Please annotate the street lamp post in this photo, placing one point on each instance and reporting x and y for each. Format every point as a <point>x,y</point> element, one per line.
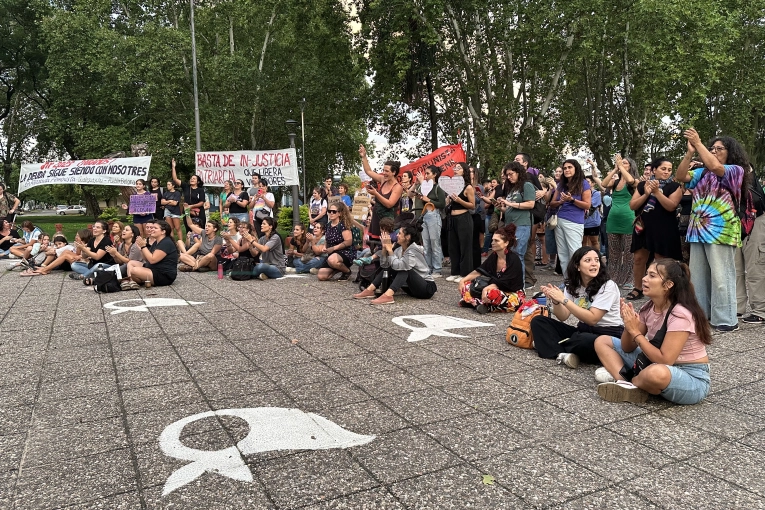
<point>302,132</point>
<point>194,73</point>
<point>295,198</point>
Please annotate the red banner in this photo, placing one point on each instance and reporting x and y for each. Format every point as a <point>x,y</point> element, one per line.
<point>445,158</point>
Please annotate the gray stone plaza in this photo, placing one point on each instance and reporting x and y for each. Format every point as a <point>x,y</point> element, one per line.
<point>88,385</point>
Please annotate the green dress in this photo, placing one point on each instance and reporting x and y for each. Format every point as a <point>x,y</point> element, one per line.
<point>621,217</point>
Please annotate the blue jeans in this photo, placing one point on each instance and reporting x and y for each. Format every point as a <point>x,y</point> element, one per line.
<point>487,236</point>
<point>82,268</point>
<point>552,248</point>
<point>305,267</point>
<point>689,383</point>
<point>522,234</point>
<point>242,217</point>
<point>431,240</point>
<point>269,270</point>
<point>713,274</point>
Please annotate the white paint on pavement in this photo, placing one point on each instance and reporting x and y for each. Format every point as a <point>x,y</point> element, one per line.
<point>143,305</point>
<point>436,325</point>
<point>271,428</point>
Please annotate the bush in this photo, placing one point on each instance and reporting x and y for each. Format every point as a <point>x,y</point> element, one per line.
<point>284,220</point>
<point>115,214</point>
<point>214,216</point>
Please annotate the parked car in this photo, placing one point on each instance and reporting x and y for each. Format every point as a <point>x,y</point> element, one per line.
<point>61,207</point>
<point>72,209</point>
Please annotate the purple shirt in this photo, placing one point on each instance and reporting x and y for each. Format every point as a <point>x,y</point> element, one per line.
<point>568,211</point>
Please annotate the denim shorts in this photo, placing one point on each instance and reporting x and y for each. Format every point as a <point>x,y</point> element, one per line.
<point>168,214</point>
<point>689,383</point>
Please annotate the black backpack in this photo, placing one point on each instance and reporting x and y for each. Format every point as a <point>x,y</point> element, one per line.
<point>106,282</point>
<point>241,269</point>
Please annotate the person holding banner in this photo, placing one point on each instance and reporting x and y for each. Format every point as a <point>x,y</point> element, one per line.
<point>461,226</point>
<point>388,196</point>
<point>193,198</point>
<point>140,219</point>
<point>429,204</point>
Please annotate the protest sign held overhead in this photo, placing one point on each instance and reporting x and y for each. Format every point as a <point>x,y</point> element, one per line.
<point>445,158</point>
<point>142,204</point>
<point>105,172</point>
<point>278,167</point>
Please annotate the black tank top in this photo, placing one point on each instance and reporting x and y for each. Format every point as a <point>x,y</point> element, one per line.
<point>456,206</point>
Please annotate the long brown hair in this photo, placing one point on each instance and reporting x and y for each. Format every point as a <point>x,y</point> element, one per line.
<point>681,293</point>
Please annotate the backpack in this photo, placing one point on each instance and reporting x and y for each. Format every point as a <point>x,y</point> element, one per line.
<point>538,212</point>
<point>519,331</point>
<point>241,269</point>
<point>367,274</point>
<point>106,282</point>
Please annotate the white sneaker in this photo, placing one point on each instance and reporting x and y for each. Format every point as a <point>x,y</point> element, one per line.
<point>263,276</point>
<point>622,391</point>
<point>290,270</point>
<point>314,270</point>
<point>569,359</point>
<point>457,279</point>
<point>436,275</point>
<point>451,278</point>
<point>602,375</point>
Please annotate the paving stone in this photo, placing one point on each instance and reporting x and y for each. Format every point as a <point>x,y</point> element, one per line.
<point>61,444</point>
<point>735,463</point>
<point>184,395</point>
<point>374,499</point>
<point>715,419</point>
<point>90,408</point>
<point>418,407</point>
<point>611,497</point>
<point>393,382</point>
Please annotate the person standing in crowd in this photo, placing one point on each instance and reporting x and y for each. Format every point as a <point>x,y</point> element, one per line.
<point>339,243</point>
<point>9,205</point>
<point>238,200</point>
<point>160,258</point>
<point>343,190</point>
<point>461,227</point>
<point>262,205</point>
<point>516,204</point>
<point>409,271</point>
<point>317,208</point>
<point>655,201</point>
<point>592,217</point>
<point>171,200</point>
<point>406,202</point>
<point>504,293</point>
<point>489,195</point>
<point>528,258</point>
<point>329,188</point>
<point>156,190</point>
<point>715,227</point>
<point>621,180</point>
<point>678,369</point>
<point>224,203</point>
<point>572,197</point>
<point>478,214</point>
<point>429,204</point>
<point>193,199</point>
<point>388,195</point>
<point>750,271</point>
<point>550,244</point>
<point>140,219</point>
<point>592,298</point>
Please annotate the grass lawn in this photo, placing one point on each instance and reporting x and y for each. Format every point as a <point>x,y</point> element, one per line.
<point>71,223</point>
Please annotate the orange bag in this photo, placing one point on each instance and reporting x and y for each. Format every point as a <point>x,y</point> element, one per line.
<point>519,331</point>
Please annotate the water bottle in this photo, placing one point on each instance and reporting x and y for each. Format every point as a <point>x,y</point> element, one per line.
<point>384,284</point>
<point>220,271</point>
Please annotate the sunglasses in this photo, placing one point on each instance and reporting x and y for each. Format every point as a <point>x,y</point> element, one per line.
<point>715,148</point>
<point>333,211</point>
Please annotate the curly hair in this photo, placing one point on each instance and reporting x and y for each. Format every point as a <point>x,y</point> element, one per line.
<point>523,176</point>
<point>507,233</point>
<point>736,156</point>
<point>573,279</point>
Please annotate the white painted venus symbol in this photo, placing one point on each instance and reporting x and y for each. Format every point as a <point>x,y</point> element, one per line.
<point>436,325</point>
<point>271,428</point>
<point>143,305</point>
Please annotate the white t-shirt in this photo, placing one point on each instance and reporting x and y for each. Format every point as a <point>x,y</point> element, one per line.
<point>68,247</point>
<point>260,203</point>
<point>317,205</point>
<point>606,299</point>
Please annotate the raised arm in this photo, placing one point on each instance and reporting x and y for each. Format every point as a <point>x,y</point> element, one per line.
<point>176,180</point>
<point>368,169</point>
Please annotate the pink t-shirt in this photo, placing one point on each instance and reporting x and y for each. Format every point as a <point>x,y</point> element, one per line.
<point>680,320</point>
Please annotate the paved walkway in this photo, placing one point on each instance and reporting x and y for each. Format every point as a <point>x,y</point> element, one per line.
<point>445,422</point>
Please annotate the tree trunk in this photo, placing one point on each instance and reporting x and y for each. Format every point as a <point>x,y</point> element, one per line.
<point>91,202</point>
<point>432,110</point>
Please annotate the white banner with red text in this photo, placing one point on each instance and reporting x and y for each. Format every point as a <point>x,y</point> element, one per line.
<point>278,167</point>
<point>103,172</point>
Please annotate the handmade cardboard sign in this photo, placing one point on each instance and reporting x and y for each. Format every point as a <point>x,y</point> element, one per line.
<point>451,185</point>
<point>142,204</point>
<point>361,204</point>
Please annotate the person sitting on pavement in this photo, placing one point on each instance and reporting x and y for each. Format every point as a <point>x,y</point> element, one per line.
<point>126,249</point>
<point>38,255</point>
<point>590,296</point>
<point>678,368</point>
<point>160,265</point>
<point>24,247</point>
<point>203,254</point>
<point>339,245</point>
<point>232,239</point>
<point>270,249</point>
<point>505,290</point>
<point>65,255</point>
<point>115,231</point>
<point>407,266</point>
<point>96,252</point>
<point>298,245</point>
<point>8,237</point>
<point>314,256</point>
<point>386,227</point>
<point>58,245</point>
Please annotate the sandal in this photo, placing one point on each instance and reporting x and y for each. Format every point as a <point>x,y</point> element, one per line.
<point>634,295</point>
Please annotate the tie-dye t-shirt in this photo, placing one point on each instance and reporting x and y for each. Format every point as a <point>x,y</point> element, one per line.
<point>714,219</point>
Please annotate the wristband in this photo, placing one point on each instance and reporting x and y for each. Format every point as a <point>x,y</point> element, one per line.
<point>634,338</point>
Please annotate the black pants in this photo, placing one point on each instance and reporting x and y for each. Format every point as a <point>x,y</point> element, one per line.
<point>461,244</point>
<point>416,286</point>
<point>547,332</point>
<point>478,227</point>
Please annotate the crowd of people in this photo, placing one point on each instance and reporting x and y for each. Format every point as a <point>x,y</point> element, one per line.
<point>688,241</point>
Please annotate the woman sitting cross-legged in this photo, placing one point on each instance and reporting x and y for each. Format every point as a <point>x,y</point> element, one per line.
<point>203,254</point>
<point>313,255</point>
<point>339,245</point>
<point>66,254</point>
<point>673,364</point>
<point>270,249</point>
<point>505,290</point>
<point>590,296</point>
<point>96,251</point>
<point>161,257</point>
<point>125,251</point>
<point>408,265</point>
